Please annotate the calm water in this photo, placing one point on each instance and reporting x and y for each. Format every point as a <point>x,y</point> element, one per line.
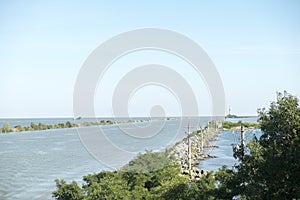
<point>224,151</point>
<point>49,121</point>
<point>31,161</point>
<point>224,144</point>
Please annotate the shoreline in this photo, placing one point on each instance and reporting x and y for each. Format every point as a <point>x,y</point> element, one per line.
<point>6,129</point>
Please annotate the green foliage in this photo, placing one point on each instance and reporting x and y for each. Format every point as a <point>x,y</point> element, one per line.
<point>106,185</point>
<point>40,126</point>
<point>280,149</point>
<point>233,125</point>
<point>148,162</point>
<point>202,189</point>
<point>69,124</point>
<point>164,183</point>
<point>231,116</point>
<point>6,128</point>
<point>271,170</point>
<point>67,191</point>
<point>33,127</point>
<point>102,122</point>
<point>123,185</point>
<point>237,116</point>
<point>227,184</point>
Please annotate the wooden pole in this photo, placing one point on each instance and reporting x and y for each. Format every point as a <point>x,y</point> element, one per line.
<point>202,140</point>
<point>242,141</point>
<point>189,150</point>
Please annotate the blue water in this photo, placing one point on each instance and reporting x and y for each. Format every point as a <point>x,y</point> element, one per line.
<point>224,148</point>
<point>31,161</point>
<point>225,143</point>
<point>247,119</point>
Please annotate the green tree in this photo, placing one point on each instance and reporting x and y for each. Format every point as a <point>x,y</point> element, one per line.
<point>41,126</point>
<point>192,190</point>
<point>61,125</point>
<point>106,185</point>
<point>166,182</point>
<point>33,126</point>
<point>149,161</point>
<point>69,124</point>
<point>6,127</point>
<point>67,191</point>
<point>271,170</point>
<point>280,144</point>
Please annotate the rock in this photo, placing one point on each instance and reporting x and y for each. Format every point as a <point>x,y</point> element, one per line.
<point>197,177</point>
<point>196,170</point>
<point>209,156</point>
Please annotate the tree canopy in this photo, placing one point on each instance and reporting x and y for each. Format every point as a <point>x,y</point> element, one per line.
<point>271,169</point>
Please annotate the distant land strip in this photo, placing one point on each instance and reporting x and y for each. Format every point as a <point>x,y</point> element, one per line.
<point>40,126</point>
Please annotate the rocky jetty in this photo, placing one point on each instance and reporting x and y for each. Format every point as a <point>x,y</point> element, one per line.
<point>199,140</point>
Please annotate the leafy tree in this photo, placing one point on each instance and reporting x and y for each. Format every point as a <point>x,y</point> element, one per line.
<point>106,185</point>
<point>203,189</point>
<point>232,125</point>
<point>164,183</point>
<point>69,124</point>
<point>271,170</point>
<point>6,127</point>
<point>33,126</point>
<point>42,126</point>
<point>149,161</point>
<point>280,144</point>
<point>67,191</point>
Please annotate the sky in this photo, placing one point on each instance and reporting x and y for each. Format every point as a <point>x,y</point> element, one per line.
<point>255,46</point>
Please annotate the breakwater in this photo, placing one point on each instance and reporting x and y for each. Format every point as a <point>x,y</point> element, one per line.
<point>190,151</point>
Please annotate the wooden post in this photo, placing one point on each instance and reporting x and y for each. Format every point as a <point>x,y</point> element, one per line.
<point>242,141</point>
<point>202,140</point>
<point>189,150</point>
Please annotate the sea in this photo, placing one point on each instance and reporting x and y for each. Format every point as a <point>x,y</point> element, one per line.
<point>31,161</point>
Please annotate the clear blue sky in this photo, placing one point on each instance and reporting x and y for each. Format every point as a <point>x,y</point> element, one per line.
<point>255,46</point>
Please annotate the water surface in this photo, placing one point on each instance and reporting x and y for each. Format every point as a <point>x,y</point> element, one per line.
<point>31,161</point>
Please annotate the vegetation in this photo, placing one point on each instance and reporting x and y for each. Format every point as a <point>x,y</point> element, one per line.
<point>231,116</point>
<point>237,116</point>
<point>6,128</point>
<point>164,183</point>
<point>270,169</point>
<point>148,162</point>
<point>233,125</point>
<point>34,127</point>
<point>102,122</point>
